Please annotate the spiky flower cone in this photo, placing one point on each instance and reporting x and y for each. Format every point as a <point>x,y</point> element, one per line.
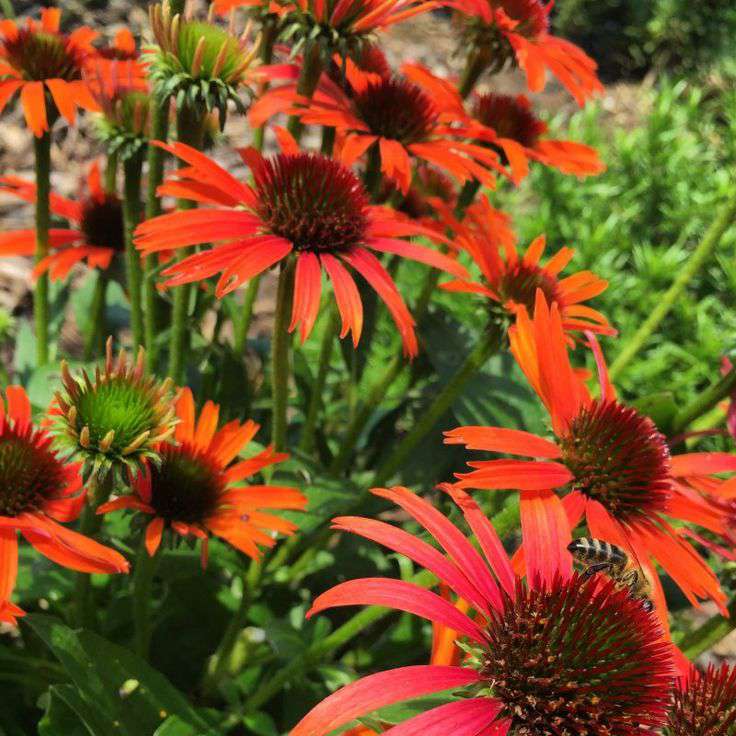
<point>115,421</point>
<point>705,704</point>
<point>199,64</point>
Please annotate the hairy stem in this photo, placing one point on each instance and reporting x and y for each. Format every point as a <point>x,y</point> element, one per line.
<point>143,575</point>
<point>704,402</point>
<point>132,170</point>
<point>42,150</point>
<point>280,355</point>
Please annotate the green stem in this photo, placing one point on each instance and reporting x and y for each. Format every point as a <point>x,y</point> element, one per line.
<point>42,149</point>
<point>132,171</point>
<point>98,491</point>
<point>358,422</point>
<point>306,439</point>
<point>143,575</point>
<point>309,75</point>
<point>156,156</point>
<point>190,130</point>
<point>323,648</point>
<point>280,357</point>
<point>95,339</point>
<point>269,33</point>
<point>698,258</point>
<point>242,326</point>
<point>219,664</point>
<point>476,64</point>
<point>111,173</point>
<point>709,634</point>
<point>705,402</point>
<point>489,343</point>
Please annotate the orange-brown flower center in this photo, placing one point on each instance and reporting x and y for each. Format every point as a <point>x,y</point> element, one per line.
<point>520,282</point>
<point>38,55</point>
<point>313,201</point>
<point>619,458</point>
<point>577,659</point>
<point>186,485</point>
<point>102,223</point>
<point>706,706</point>
<point>510,117</point>
<point>30,473</point>
<point>395,108</point>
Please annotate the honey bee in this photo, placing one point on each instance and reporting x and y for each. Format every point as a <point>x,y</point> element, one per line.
<point>603,557</point>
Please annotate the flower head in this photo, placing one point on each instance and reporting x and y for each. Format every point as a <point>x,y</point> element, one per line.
<point>116,420</point>
<point>195,488</point>
<point>571,656</point>
<point>302,206</point>
<point>393,117</point>
<point>38,489</point>
<point>36,57</point>
<point>609,463</point>
<point>704,704</point>
<point>498,32</point>
<point>511,280</point>
<point>97,236</point>
<point>199,63</point>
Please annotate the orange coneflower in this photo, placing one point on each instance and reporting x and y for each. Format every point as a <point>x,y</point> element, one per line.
<point>397,121</point>
<point>97,237</point>
<point>499,31</point>
<point>37,491</point>
<point>509,125</point>
<point>571,656</point>
<point>35,57</point>
<point>300,203</point>
<point>511,281</point>
<point>195,487</point>
<point>609,465</point>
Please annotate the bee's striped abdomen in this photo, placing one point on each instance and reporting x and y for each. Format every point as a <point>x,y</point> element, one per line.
<point>588,550</point>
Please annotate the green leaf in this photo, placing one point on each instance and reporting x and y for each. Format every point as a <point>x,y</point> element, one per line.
<point>175,726</point>
<point>69,714</point>
<point>117,686</point>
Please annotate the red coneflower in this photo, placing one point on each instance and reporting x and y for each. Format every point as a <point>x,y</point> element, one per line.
<point>610,465</point>
<point>38,490</point>
<point>704,704</point>
<point>396,120</point>
<point>511,282</point>
<point>300,203</point>
<point>499,31</point>
<point>568,657</point>
<point>195,488</point>
<point>97,237</point>
<point>35,57</point>
<point>114,66</point>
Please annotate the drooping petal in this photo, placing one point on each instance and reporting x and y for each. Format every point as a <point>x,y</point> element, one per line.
<point>518,475</point>
<point>154,530</point>
<point>376,691</point>
<point>347,297</point>
<point>419,253</point>
<point>34,107</point>
<point>498,439</point>
<point>399,594</point>
<point>466,717</point>
<point>307,293</point>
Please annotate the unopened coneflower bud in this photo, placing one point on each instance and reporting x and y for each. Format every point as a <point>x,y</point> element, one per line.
<point>114,421</point>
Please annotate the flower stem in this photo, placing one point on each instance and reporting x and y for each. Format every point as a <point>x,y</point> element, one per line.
<point>476,64</point>
<point>156,155</point>
<point>306,439</point>
<point>372,177</point>
<point>111,173</point>
<point>704,402</point>
<point>145,570</point>
<point>95,340</point>
<point>42,150</point>
<point>489,343</point>
<point>309,75</point>
<point>242,327</point>
<point>132,171</point>
<point>269,33</point>
<point>698,258</point>
<point>280,357</point>
<point>708,635</point>
<point>190,130</point>
<point>358,422</point>
<point>323,648</point>
<point>219,664</point>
